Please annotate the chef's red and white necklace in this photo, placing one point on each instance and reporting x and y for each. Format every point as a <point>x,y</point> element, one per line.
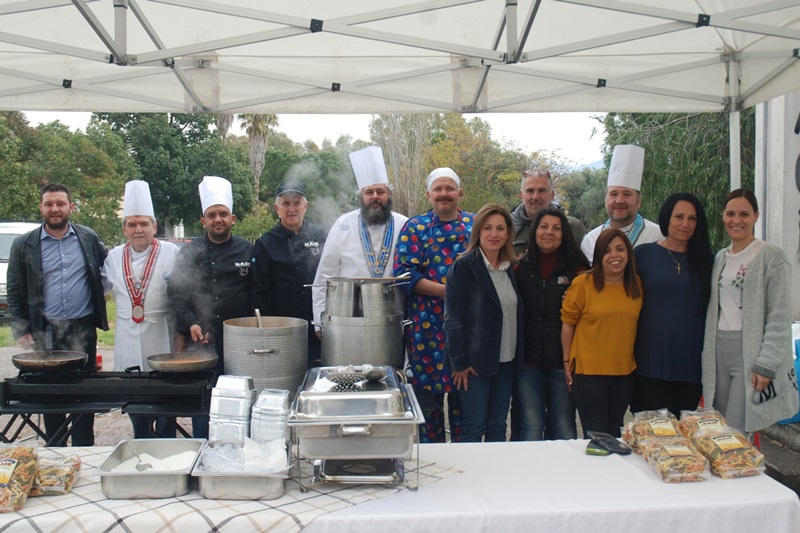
<point>137,290</point>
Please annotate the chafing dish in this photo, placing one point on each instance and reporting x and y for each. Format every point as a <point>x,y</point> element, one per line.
<point>239,485</point>
<point>340,414</point>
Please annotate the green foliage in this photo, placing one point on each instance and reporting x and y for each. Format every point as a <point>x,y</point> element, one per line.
<point>106,338</point>
<point>20,197</point>
<point>581,193</point>
<point>259,221</point>
<point>685,152</point>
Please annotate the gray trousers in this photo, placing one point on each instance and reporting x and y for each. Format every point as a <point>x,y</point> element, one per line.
<point>729,398</point>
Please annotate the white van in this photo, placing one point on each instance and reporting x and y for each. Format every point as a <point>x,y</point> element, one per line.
<point>8,232</point>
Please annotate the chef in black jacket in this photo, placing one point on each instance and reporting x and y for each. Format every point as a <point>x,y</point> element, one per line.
<point>285,259</point>
<point>210,282</point>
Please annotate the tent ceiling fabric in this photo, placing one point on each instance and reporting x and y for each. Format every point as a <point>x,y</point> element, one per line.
<point>355,56</point>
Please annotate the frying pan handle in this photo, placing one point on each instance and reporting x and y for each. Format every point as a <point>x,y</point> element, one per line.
<point>264,351</point>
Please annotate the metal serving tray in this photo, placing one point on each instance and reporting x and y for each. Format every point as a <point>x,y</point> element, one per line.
<point>147,484</point>
<point>240,485</point>
<point>333,394</point>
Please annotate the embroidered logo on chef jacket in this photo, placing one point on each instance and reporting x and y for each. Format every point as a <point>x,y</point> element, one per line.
<point>244,267</point>
<point>312,246</point>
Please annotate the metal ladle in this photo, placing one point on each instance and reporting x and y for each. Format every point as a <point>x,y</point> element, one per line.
<point>141,466</point>
<point>258,318</point>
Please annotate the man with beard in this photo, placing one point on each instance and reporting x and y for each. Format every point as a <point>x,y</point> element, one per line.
<point>55,295</point>
<point>428,244</point>
<point>211,279</point>
<point>361,243</point>
<point>623,199</point>
<point>537,193</point>
<point>285,260</point>
<point>137,273</point>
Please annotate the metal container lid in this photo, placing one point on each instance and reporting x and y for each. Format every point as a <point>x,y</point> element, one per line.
<point>332,394</point>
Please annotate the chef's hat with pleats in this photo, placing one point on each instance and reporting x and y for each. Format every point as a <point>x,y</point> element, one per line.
<point>216,191</point>
<point>627,164</point>
<point>137,200</point>
<point>368,166</point>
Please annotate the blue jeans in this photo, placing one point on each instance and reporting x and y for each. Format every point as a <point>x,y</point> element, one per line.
<point>484,407</point>
<point>543,395</point>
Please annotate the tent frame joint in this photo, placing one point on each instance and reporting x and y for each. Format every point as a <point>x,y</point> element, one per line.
<point>703,20</point>
<point>315,26</point>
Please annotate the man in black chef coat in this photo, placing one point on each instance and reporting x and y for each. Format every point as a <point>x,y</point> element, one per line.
<point>285,259</point>
<point>210,282</point>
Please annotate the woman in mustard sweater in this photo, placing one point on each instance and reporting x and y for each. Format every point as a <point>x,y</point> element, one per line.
<point>599,317</point>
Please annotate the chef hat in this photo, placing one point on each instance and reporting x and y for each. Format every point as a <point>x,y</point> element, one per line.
<point>137,201</point>
<point>627,164</point>
<point>444,172</point>
<point>368,166</point>
<point>215,191</point>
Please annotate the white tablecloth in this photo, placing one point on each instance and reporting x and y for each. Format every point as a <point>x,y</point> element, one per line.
<point>555,487</point>
<point>547,486</point>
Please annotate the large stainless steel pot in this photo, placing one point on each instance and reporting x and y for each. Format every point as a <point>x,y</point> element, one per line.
<point>362,340</point>
<point>49,361</point>
<point>370,297</point>
<point>275,355</point>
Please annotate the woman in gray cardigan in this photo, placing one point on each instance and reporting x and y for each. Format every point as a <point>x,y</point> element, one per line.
<point>748,372</point>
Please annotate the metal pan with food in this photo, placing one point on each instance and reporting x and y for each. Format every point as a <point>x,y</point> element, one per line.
<point>183,361</point>
<point>49,361</point>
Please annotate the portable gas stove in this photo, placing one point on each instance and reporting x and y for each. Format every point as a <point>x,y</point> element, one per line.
<point>84,393</point>
<point>356,424</point>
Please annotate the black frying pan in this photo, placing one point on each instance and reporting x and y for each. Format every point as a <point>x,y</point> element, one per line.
<point>49,361</point>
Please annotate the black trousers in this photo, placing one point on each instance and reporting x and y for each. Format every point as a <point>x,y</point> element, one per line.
<point>602,401</point>
<point>650,394</point>
<point>75,335</point>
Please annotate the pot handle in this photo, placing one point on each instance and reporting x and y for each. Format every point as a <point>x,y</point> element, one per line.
<point>316,285</point>
<point>265,351</point>
<point>407,323</point>
<point>351,431</point>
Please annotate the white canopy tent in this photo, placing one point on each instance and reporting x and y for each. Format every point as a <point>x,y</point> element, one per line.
<point>355,56</point>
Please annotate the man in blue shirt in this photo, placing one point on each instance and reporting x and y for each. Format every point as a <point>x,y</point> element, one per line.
<point>55,294</point>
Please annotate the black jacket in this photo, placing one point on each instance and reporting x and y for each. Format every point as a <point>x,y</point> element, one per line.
<point>210,283</point>
<point>473,317</point>
<point>542,317</point>
<point>25,288</point>
<point>282,263</point>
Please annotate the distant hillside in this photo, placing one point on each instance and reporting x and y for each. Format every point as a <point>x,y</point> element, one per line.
<point>596,164</point>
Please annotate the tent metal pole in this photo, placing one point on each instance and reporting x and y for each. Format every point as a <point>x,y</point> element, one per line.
<point>734,125</point>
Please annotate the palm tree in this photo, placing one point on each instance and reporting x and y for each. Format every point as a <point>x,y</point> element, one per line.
<point>224,122</point>
<point>257,127</point>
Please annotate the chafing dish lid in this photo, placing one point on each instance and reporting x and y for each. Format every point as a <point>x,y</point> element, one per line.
<point>343,393</point>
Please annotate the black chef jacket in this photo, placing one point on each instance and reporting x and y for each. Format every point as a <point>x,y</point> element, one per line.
<point>210,283</point>
<point>282,263</point>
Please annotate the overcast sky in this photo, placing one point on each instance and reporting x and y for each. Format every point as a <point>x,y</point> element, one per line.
<point>568,133</point>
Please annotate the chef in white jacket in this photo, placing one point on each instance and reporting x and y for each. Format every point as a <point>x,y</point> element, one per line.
<point>137,274</point>
<point>361,243</point>
<point>623,199</point>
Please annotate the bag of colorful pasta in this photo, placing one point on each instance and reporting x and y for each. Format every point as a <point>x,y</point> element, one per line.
<point>649,424</point>
<point>729,452</point>
<point>675,459</point>
<point>56,475</point>
<point>18,463</point>
<point>692,421</point>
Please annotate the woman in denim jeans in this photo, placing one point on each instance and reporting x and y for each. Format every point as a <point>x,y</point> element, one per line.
<point>543,276</point>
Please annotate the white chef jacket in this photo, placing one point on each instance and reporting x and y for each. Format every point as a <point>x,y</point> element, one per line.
<point>134,342</point>
<point>650,233</point>
<point>343,255</point>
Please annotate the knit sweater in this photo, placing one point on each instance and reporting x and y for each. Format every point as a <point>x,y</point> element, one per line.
<point>766,337</point>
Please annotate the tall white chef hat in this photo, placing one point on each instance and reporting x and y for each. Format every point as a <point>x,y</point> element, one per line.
<point>368,166</point>
<point>215,190</point>
<point>443,172</point>
<point>627,164</point>
<point>137,201</point>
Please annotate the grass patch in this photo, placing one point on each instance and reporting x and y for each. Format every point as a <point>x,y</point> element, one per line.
<point>104,338</point>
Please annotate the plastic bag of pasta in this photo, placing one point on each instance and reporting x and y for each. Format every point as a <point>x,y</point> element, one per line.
<point>675,459</point>
<point>18,463</point>
<point>693,421</point>
<point>729,452</point>
<point>649,424</point>
<point>56,475</point>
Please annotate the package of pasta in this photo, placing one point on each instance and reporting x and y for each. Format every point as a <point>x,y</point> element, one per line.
<point>649,424</point>
<point>675,459</point>
<point>17,472</point>
<point>56,475</point>
<point>693,421</point>
<point>729,452</point>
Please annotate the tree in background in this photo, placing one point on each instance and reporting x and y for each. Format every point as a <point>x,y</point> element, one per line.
<point>224,121</point>
<point>685,152</point>
<point>20,196</point>
<point>405,139</point>
<point>258,127</point>
<point>582,194</point>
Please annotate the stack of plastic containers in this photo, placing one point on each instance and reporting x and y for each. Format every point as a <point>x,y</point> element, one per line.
<point>268,416</point>
<point>229,413</point>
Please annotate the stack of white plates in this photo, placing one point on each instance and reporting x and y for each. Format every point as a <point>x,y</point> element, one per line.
<point>229,413</point>
<point>268,416</point>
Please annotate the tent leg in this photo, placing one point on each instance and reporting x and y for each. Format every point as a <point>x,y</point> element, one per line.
<point>735,149</point>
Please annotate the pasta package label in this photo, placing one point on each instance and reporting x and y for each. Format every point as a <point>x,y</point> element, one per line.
<point>663,427</point>
<point>727,442</point>
<point>710,423</point>
<point>7,467</point>
<point>677,450</point>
